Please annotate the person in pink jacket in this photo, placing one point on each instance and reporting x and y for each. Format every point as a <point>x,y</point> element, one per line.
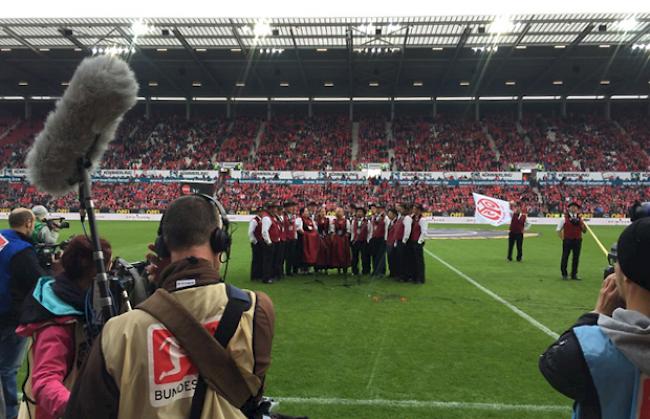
<point>54,317</point>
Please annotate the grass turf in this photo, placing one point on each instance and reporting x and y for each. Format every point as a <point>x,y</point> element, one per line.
<point>444,341</point>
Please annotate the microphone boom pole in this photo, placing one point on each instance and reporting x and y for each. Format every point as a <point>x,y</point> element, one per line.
<point>105,301</point>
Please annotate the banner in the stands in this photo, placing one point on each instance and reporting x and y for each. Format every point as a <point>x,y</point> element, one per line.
<point>297,177</point>
<point>74,216</point>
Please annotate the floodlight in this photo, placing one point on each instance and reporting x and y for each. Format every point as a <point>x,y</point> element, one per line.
<point>262,29</point>
<point>501,25</point>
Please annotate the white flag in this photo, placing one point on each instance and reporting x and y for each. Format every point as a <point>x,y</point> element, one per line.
<point>491,210</point>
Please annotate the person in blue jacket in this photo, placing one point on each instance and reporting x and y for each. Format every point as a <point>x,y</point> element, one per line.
<point>603,361</point>
<point>19,271</point>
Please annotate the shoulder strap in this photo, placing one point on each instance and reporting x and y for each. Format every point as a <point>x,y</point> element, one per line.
<point>238,302</point>
<point>214,363</point>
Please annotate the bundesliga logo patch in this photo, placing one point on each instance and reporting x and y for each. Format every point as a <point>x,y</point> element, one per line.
<point>172,376</point>
<point>3,242</point>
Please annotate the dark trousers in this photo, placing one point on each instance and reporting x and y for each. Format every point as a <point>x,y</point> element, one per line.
<point>256,261</point>
<point>571,246</point>
<point>12,351</point>
<point>360,251</point>
<point>278,259</point>
<point>392,265</point>
<point>415,261</point>
<point>291,261</point>
<point>517,238</point>
<point>267,261</point>
<point>400,261</point>
<point>378,249</point>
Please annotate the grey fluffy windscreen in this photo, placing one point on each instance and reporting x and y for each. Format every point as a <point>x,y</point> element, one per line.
<point>84,121</point>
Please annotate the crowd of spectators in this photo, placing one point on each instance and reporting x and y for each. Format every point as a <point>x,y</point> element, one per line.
<point>108,197</point>
<point>171,142</point>
<point>440,200</point>
<point>373,140</point>
<point>446,144</point>
<point>239,141</point>
<point>581,142</point>
<point>298,143</point>
<point>584,142</point>
<point>242,197</point>
<point>597,200</point>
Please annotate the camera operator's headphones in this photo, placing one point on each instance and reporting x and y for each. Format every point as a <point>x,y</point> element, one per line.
<point>220,238</point>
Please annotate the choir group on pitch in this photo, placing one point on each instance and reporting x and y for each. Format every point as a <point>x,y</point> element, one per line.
<point>287,242</point>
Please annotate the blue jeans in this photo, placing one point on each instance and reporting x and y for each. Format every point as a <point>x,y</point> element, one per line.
<point>12,350</point>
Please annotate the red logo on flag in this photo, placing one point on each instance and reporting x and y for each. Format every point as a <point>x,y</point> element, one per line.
<point>170,362</point>
<point>3,242</point>
<point>489,209</point>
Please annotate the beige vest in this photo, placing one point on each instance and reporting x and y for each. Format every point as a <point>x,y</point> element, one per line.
<point>154,375</point>
<point>29,410</point>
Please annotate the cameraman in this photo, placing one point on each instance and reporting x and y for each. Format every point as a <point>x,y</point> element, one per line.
<point>570,230</point>
<point>602,362</point>
<point>19,271</point>
<point>137,367</point>
<point>54,316</point>
<point>45,231</point>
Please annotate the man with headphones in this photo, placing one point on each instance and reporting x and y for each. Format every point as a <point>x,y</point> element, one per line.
<point>196,348</point>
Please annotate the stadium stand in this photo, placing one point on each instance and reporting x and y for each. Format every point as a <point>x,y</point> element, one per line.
<point>583,142</point>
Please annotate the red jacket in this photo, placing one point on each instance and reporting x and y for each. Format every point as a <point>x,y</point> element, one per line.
<point>416,230</point>
<point>378,226</point>
<point>573,231</point>
<point>323,225</point>
<point>290,226</point>
<point>258,230</point>
<point>360,231</point>
<point>392,233</point>
<point>340,227</point>
<point>275,232</point>
<point>283,233</point>
<point>399,229</point>
<point>518,223</point>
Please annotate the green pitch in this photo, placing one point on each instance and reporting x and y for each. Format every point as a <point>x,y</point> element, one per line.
<point>381,349</point>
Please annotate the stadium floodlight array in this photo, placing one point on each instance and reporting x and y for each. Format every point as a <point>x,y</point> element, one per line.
<point>140,28</point>
<point>113,50</point>
<point>501,25</point>
<point>260,29</point>
<point>271,51</point>
<point>488,48</point>
<point>645,47</point>
<point>628,24</point>
<point>378,50</point>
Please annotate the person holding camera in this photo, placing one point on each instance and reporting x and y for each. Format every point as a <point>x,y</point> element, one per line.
<point>196,348</point>
<point>602,361</point>
<point>19,271</point>
<point>45,231</point>
<point>54,317</point>
<point>570,229</point>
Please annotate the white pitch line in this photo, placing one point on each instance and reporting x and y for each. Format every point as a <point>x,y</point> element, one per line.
<point>427,404</point>
<point>375,363</point>
<point>497,297</point>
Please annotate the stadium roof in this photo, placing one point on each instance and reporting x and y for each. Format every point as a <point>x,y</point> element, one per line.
<point>436,31</point>
<point>556,54</point>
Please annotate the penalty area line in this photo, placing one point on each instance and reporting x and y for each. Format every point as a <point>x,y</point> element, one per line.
<point>497,297</point>
<point>426,404</point>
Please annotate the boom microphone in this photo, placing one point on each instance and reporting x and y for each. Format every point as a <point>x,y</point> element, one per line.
<point>102,90</point>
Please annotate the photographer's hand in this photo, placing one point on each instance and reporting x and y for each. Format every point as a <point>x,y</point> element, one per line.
<point>608,298</point>
<point>156,264</point>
